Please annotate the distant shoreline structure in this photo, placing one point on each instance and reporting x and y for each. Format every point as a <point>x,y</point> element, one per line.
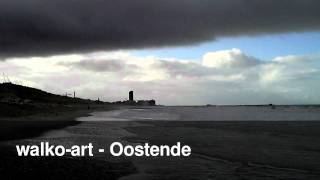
<point>131,101</point>
<point>11,93</point>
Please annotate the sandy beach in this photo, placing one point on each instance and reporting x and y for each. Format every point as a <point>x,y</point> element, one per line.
<point>232,150</point>
<point>220,149</point>
<point>46,124</point>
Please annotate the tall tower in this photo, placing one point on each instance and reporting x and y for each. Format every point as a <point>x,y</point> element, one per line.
<point>130,95</point>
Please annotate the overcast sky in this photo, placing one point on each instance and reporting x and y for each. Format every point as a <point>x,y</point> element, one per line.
<point>179,52</point>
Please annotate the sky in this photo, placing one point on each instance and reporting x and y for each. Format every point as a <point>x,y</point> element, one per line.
<point>178,52</point>
<point>264,46</point>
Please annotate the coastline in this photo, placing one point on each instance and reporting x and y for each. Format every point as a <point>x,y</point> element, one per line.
<point>23,130</point>
<point>19,127</point>
<point>220,149</point>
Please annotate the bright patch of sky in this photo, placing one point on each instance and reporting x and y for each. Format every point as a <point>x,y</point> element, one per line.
<point>264,47</point>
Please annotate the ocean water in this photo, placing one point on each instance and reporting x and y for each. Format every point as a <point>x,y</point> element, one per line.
<point>208,113</point>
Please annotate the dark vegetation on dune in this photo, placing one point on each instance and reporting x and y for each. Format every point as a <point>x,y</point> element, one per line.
<point>28,112</point>
<point>10,92</point>
<point>18,101</point>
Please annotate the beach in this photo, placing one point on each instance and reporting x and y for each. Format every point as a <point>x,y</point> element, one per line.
<point>221,149</point>
<point>47,124</point>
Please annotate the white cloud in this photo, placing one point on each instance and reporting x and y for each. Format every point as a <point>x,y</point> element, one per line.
<point>223,77</point>
<point>295,59</point>
<point>233,58</point>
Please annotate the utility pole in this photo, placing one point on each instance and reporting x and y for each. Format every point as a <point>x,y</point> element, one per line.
<point>5,78</point>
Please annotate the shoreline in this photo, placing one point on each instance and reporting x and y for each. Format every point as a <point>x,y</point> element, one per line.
<point>14,128</point>
<point>25,130</point>
<point>220,149</point>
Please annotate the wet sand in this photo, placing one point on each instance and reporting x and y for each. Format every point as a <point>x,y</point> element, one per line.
<point>24,126</point>
<point>220,150</point>
<point>232,150</point>
<point>53,126</point>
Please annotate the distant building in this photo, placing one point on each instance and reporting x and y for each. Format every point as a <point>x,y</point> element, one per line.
<point>131,101</point>
<point>146,102</point>
<point>152,102</point>
<point>130,95</point>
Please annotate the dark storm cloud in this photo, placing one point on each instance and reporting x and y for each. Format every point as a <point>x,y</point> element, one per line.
<point>44,27</point>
